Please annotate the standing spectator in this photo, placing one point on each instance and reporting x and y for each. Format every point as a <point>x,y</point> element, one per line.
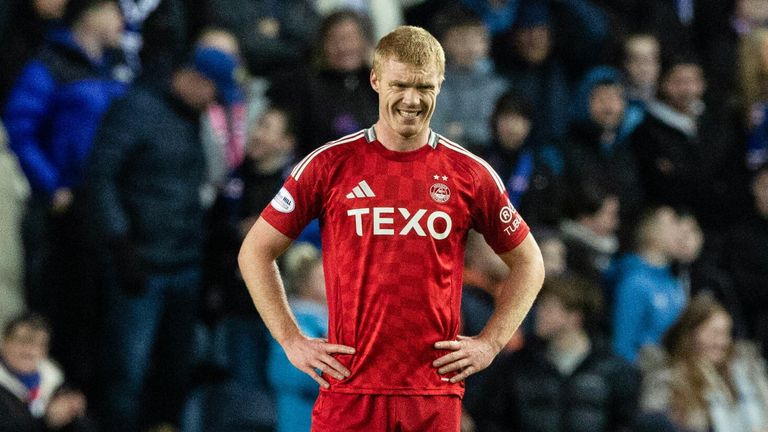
<point>29,22</point>
<point>14,192</point>
<point>52,115</point>
<point>531,174</point>
<point>146,174</point>
<point>295,392</point>
<point>589,230</point>
<point>647,297</point>
<point>470,83</point>
<point>641,62</point>
<point>332,98</point>
<point>274,35</point>
<point>566,379</point>
<point>596,148</point>
<point>543,55</point>
<point>686,150</point>
<point>33,397</point>
<point>745,258</point>
<point>708,383</point>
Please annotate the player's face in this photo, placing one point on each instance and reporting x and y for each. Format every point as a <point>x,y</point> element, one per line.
<point>407,96</point>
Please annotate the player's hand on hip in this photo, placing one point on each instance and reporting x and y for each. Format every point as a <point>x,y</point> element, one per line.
<point>313,357</point>
<point>469,355</point>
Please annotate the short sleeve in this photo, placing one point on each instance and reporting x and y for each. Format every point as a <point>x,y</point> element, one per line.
<point>299,200</point>
<point>493,214</point>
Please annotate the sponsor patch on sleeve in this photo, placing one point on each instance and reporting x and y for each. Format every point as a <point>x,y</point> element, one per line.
<point>283,201</point>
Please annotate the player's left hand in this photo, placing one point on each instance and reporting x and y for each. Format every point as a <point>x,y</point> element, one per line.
<point>470,355</point>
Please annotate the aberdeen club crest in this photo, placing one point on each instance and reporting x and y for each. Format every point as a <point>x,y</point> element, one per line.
<point>439,192</point>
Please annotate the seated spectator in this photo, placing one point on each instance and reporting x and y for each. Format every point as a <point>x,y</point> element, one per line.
<point>296,392</point>
<point>596,147</point>
<point>641,65</point>
<point>647,297</point>
<point>33,397</point>
<point>745,258</point>
<point>333,98</point>
<point>589,232</point>
<point>707,382</point>
<point>566,380</point>
<point>531,174</point>
<point>686,150</point>
<point>553,251</point>
<point>470,83</point>
<point>14,192</point>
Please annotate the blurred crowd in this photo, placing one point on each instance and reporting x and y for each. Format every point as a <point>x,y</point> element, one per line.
<point>140,140</point>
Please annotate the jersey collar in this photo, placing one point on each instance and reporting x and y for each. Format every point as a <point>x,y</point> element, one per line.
<point>370,136</point>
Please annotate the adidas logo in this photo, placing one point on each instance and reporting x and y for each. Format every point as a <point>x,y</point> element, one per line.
<point>362,190</point>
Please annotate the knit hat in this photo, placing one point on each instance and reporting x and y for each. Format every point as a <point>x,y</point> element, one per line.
<point>221,68</point>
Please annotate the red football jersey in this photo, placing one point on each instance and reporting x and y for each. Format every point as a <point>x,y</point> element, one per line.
<point>394,227</point>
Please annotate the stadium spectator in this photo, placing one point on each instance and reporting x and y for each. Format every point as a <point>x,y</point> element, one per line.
<point>531,174</point>
<point>146,173</point>
<point>686,151</point>
<point>647,297</point>
<point>331,98</point>
<point>543,55</point>
<point>295,392</point>
<point>33,395</point>
<point>589,230</point>
<point>596,147</point>
<point>641,63</point>
<point>706,382</point>
<point>384,15</point>
<point>470,83</point>
<point>565,379</point>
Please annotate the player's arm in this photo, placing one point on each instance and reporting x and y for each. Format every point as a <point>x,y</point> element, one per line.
<point>513,301</point>
<point>262,246</point>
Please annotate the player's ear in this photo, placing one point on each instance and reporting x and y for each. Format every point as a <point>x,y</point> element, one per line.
<point>374,80</point>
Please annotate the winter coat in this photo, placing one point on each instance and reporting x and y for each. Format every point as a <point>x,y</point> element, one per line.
<point>527,393</point>
<point>54,110</point>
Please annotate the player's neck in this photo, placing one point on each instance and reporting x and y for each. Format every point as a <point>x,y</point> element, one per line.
<point>391,140</point>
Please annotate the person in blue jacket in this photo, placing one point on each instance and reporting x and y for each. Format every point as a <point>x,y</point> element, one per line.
<point>51,115</point>
<point>295,392</point>
<point>647,297</point>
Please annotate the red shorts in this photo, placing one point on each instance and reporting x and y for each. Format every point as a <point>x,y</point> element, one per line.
<point>341,412</point>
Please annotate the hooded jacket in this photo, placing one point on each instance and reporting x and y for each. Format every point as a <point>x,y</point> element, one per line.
<point>54,110</point>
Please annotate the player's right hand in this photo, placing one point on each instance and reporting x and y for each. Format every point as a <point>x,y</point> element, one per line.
<point>313,357</point>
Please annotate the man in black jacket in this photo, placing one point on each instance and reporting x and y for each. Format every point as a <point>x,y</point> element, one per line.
<point>566,379</point>
<point>146,174</point>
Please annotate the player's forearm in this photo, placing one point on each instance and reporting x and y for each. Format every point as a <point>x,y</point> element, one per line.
<point>515,298</point>
<point>261,276</point>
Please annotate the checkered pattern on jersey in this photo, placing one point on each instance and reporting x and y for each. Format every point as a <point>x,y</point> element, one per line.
<point>393,226</point>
